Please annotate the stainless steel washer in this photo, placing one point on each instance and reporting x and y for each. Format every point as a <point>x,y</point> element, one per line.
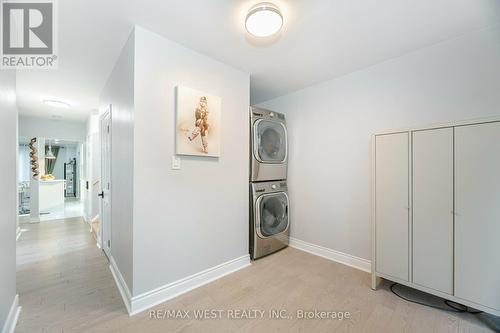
<point>269,146</point>
<point>269,216</point>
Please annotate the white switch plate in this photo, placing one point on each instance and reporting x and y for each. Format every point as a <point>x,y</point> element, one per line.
<point>176,162</point>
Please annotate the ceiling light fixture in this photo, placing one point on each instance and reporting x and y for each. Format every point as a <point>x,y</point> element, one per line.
<point>263,20</point>
<point>56,103</point>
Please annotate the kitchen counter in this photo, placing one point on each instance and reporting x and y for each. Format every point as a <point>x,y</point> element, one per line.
<point>51,195</point>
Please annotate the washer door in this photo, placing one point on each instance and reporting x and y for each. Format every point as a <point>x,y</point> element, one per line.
<point>272,214</point>
<point>270,141</point>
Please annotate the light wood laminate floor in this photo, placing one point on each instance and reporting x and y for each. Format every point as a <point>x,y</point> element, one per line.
<point>65,285</point>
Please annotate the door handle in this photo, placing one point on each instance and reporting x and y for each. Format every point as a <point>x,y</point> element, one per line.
<point>101,194</point>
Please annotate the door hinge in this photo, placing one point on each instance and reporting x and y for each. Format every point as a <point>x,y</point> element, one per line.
<point>109,243</point>
<point>108,128</point>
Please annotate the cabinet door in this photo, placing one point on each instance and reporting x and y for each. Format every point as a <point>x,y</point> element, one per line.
<point>391,204</point>
<point>477,220</point>
<point>433,209</point>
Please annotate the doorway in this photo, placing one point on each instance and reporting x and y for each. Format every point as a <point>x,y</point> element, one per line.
<point>57,193</point>
<point>105,194</point>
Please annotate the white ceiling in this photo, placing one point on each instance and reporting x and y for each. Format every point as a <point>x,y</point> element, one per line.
<point>322,39</point>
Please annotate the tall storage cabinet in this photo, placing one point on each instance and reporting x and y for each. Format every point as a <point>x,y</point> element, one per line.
<point>436,211</point>
<point>477,220</point>
<point>392,204</point>
<point>433,209</point>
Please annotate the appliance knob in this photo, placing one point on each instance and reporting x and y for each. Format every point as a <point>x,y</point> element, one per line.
<point>273,187</point>
<point>271,114</point>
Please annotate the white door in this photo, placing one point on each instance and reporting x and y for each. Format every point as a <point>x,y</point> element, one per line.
<point>392,204</point>
<point>477,208</point>
<point>433,209</point>
<point>106,180</point>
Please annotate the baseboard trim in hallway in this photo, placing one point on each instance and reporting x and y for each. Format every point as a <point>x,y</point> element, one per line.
<point>147,300</point>
<point>11,321</point>
<point>120,284</point>
<point>337,256</point>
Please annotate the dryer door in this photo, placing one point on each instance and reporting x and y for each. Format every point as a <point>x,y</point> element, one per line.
<point>272,214</point>
<point>270,141</point>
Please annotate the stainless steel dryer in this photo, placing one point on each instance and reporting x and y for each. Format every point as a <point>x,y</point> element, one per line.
<point>269,146</point>
<point>269,218</point>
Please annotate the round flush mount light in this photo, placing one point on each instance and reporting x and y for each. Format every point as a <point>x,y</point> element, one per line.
<point>263,20</point>
<point>55,103</point>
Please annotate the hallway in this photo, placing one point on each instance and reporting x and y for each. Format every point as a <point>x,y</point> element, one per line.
<point>64,282</point>
<point>65,285</point>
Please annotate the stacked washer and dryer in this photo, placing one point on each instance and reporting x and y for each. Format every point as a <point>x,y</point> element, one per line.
<point>269,203</point>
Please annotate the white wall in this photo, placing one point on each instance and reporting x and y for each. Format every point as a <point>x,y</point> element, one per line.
<point>92,172</point>
<point>24,171</point>
<point>30,127</point>
<point>330,127</point>
<point>119,92</point>
<point>8,193</point>
<point>187,220</point>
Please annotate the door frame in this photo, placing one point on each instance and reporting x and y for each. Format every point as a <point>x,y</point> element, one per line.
<point>105,225</point>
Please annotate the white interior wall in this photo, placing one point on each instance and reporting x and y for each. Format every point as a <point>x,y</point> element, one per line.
<point>24,172</point>
<point>330,128</point>
<point>188,220</point>
<point>119,92</point>
<point>30,127</point>
<point>92,173</point>
<point>8,195</point>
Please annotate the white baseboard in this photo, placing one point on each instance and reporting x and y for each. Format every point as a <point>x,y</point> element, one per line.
<point>340,257</point>
<point>120,283</point>
<point>10,323</point>
<point>159,295</point>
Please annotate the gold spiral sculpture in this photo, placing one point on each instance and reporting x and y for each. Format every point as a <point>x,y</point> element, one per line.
<point>33,158</point>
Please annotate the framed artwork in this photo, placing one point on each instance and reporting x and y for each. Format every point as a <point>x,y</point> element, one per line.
<point>198,123</point>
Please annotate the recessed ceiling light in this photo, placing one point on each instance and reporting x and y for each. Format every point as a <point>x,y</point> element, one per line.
<point>55,103</point>
<point>263,20</point>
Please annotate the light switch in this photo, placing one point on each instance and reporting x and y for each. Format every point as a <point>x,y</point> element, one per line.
<point>176,162</point>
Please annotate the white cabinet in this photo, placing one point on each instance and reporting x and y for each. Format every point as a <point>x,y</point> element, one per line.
<point>477,221</point>
<point>436,211</point>
<point>433,209</point>
<point>392,207</point>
